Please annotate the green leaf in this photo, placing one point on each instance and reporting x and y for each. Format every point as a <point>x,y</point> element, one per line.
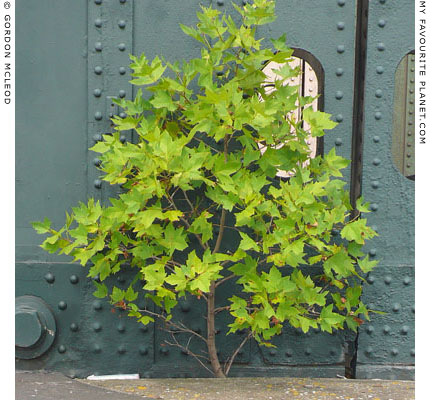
<point>101,291</point>
<point>42,227</point>
<point>366,265</point>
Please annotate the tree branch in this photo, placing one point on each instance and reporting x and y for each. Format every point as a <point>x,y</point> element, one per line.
<point>229,363</point>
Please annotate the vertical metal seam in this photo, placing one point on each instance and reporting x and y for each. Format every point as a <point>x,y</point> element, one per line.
<point>357,138</point>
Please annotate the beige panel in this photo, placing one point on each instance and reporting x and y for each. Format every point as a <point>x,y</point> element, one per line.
<point>308,86</point>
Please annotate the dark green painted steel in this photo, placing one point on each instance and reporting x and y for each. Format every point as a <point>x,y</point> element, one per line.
<point>390,38</point>
<point>61,113</point>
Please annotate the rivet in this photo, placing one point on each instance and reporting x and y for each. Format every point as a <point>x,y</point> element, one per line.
<point>62,305</point>
<point>98,116</point>
<point>374,207</point>
<point>408,165</point>
<point>369,350</point>
<point>340,48</point>
<point>339,95</point>
<point>410,122</point>
<point>340,26</point>
<point>98,23</point>
<point>49,277</point>
<point>376,139</point>
<point>332,352</point>
<point>407,281</point>
<point>376,161</point>
<point>97,305</point>
<point>372,252</point>
<point>97,162</point>
<point>386,329</point>
<point>97,327</point>
<point>338,142</point>
<point>412,353</point>
<point>97,92</point>
<point>378,93</point>
<point>394,352</point>
<point>289,353</point>
<point>340,3</point>
<point>308,351</point>
<point>375,228</point>
<point>409,144</point>
<point>339,117</point>
<point>97,137</point>
<point>143,351</point>
<point>184,352</point>
<point>396,307</point>
<point>74,279</point>
<point>98,1</point>
<point>121,24</point>
<point>74,327</point>
<point>408,155</point>
<point>381,23</point>
<point>121,328</point>
<point>339,71</point>
<point>382,1</point>
<point>370,330</point>
<point>97,348</point>
<point>98,70</point>
<point>185,307</point>
<point>388,279</point>
<point>413,309</point>
<point>62,349</point>
<point>164,351</point>
<point>97,183</point>
<point>378,115</point>
<point>121,349</point>
<point>144,328</point>
<point>122,139</point>
<point>122,115</point>
<point>380,46</point>
<point>121,47</point>
<point>122,1</point>
<point>375,184</point>
<point>272,353</point>
<point>371,279</point>
<point>121,93</point>
<point>404,330</point>
<point>409,133</point>
<point>196,329</point>
<point>220,2</point>
<point>379,69</point>
<point>122,70</point>
<point>98,46</point>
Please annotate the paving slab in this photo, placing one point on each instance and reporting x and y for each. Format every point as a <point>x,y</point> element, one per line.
<point>46,386</point>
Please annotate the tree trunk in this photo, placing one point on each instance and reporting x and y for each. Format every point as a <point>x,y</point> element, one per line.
<point>216,366</point>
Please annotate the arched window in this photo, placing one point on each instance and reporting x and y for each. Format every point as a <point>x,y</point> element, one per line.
<point>402,145</point>
<point>310,84</point>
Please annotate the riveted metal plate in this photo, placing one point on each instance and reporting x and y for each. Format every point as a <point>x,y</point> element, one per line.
<point>387,342</point>
<point>391,194</point>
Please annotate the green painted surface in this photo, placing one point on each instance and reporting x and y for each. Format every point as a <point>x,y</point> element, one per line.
<point>71,57</point>
<point>391,194</point>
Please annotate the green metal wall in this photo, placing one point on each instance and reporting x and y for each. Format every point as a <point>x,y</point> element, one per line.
<point>72,56</point>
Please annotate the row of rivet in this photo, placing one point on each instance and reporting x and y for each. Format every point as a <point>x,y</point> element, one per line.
<point>394,351</point>
<point>370,330</point>
<point>98,70</point>
<point>307,351</point>
<point>387,280</point>
<point>97,349</point>
<point>50,278</point>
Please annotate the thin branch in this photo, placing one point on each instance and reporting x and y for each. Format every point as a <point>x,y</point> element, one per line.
<point>233,356</point>
<point>220,282</point>
<point>219,309</point>
<point>196,356</point>
<point>181,327</point>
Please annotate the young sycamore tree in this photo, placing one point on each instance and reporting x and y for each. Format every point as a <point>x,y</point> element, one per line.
<point>210,142</point>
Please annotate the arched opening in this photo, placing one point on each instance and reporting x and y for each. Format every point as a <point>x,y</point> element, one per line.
<point>310,83</point>
<point>403,143</point>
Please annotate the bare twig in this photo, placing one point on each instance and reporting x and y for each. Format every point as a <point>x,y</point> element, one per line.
<point>221,281</point>
<point>229,363</point>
